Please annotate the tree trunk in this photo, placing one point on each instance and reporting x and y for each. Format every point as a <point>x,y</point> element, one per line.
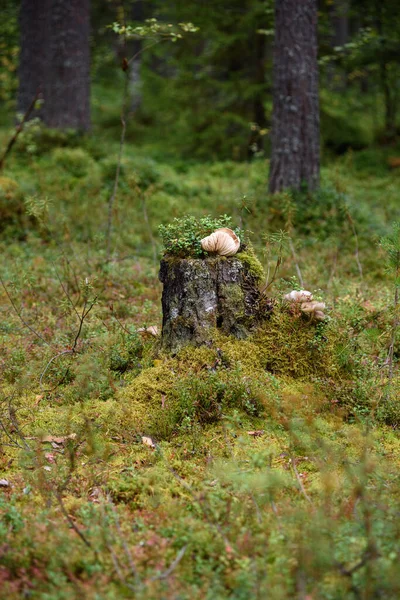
<point>34,28</point>
<point>136,48</point>
<point>55,58</point>
<point>295,154</point>
<point>200,296</point>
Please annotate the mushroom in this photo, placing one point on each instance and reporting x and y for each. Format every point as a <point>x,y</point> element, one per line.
<point>223,241</point>
<point>299,296</point>
<point>312,307</point>
<point>307,304</point>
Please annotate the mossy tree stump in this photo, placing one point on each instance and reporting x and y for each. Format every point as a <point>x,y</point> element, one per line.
<point>202,295</point>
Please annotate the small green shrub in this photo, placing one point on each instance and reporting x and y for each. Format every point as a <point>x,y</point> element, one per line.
<point>182,237</point>
<point>75,161</point>
<point>13,217</point>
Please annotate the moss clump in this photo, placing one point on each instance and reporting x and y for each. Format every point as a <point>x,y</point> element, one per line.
<point>76,161</point>
<point>254,266</point>
<point>13,215</point>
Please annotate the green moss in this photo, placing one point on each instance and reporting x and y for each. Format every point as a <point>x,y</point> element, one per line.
<point>255,268</point>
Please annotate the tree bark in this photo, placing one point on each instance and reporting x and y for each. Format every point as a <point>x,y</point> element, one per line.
<point>295,157</point>
<point>34,29</point>
<point>200,296</point>
<point>55,58</point>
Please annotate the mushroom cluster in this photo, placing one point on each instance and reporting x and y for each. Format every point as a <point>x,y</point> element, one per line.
<point>307,304</point>
<point>223,242</point>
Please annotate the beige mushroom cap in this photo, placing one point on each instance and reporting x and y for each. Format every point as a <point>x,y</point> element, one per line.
<point>312,307</point>
<point>299,296</point>
<point>223,242</point>
<point>319,315</point>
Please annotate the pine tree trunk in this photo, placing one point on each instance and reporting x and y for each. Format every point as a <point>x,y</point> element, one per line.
<point>67,87</point>
<point>295,154</point>
<point>55,58</point>
<point>202,295</point>
<point>33,61</point>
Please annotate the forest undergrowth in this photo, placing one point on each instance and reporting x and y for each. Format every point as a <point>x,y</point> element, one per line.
<point>260,468</point>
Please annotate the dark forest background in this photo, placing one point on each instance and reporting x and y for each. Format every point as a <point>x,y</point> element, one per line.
<point>209,95</point>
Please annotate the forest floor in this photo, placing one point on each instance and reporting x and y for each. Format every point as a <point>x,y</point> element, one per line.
<point>259,468</point>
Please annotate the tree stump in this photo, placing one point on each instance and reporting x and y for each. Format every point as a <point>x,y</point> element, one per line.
<point>202,295</point>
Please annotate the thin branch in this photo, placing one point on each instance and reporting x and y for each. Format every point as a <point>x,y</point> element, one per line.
<point>18,130</point>
<point>172,566</point>
<point>113,196</point>
<point>299,481</point>
<point>71,522</point>
<point>270,282</point>
<point>296,262</point>
<point>146,218</point>
<point>64,289</point>
<point>19,313</point>
<point>81,321</point>
<point>82,317</point>
<point>143,49</point>
<point>51,361</point>
<point>118,569</point>
<point>125,545</point>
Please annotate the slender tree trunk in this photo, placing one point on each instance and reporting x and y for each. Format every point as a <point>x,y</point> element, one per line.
<point>55,58</point>
<point>256,141</point>
<point>136,47</point>
<point>340,21</point>
<point>295,120</point>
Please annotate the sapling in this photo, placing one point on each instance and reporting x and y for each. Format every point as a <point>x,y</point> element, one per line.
<point>156,32</point>
<point>391,246</point>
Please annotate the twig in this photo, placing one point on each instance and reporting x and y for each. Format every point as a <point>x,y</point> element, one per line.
<point>296,263</point>
<point>18,312</point>
<point>146,218</point>
<point>172,566</point>
<point>299,481</point>
<point>82,317</point>
<point>70,521</point>
<point>271,281</point>
<point>18,130</point>
<point>125,545</point>
<point>13,420</point>
<point>52,360</point>
<point>113,196</point>
<point>395,324</point>
<point>118,569</point>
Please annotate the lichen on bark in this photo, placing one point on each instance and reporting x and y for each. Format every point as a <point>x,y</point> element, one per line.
<point>202,295</point>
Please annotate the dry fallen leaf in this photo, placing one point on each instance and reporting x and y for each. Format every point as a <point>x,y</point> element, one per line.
<point>256,433</point>
<point>38,399</point>
<point>58,440</point>
<point>148,442</point>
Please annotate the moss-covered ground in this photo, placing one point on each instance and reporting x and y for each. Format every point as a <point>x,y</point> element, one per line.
<point>260,468</point>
